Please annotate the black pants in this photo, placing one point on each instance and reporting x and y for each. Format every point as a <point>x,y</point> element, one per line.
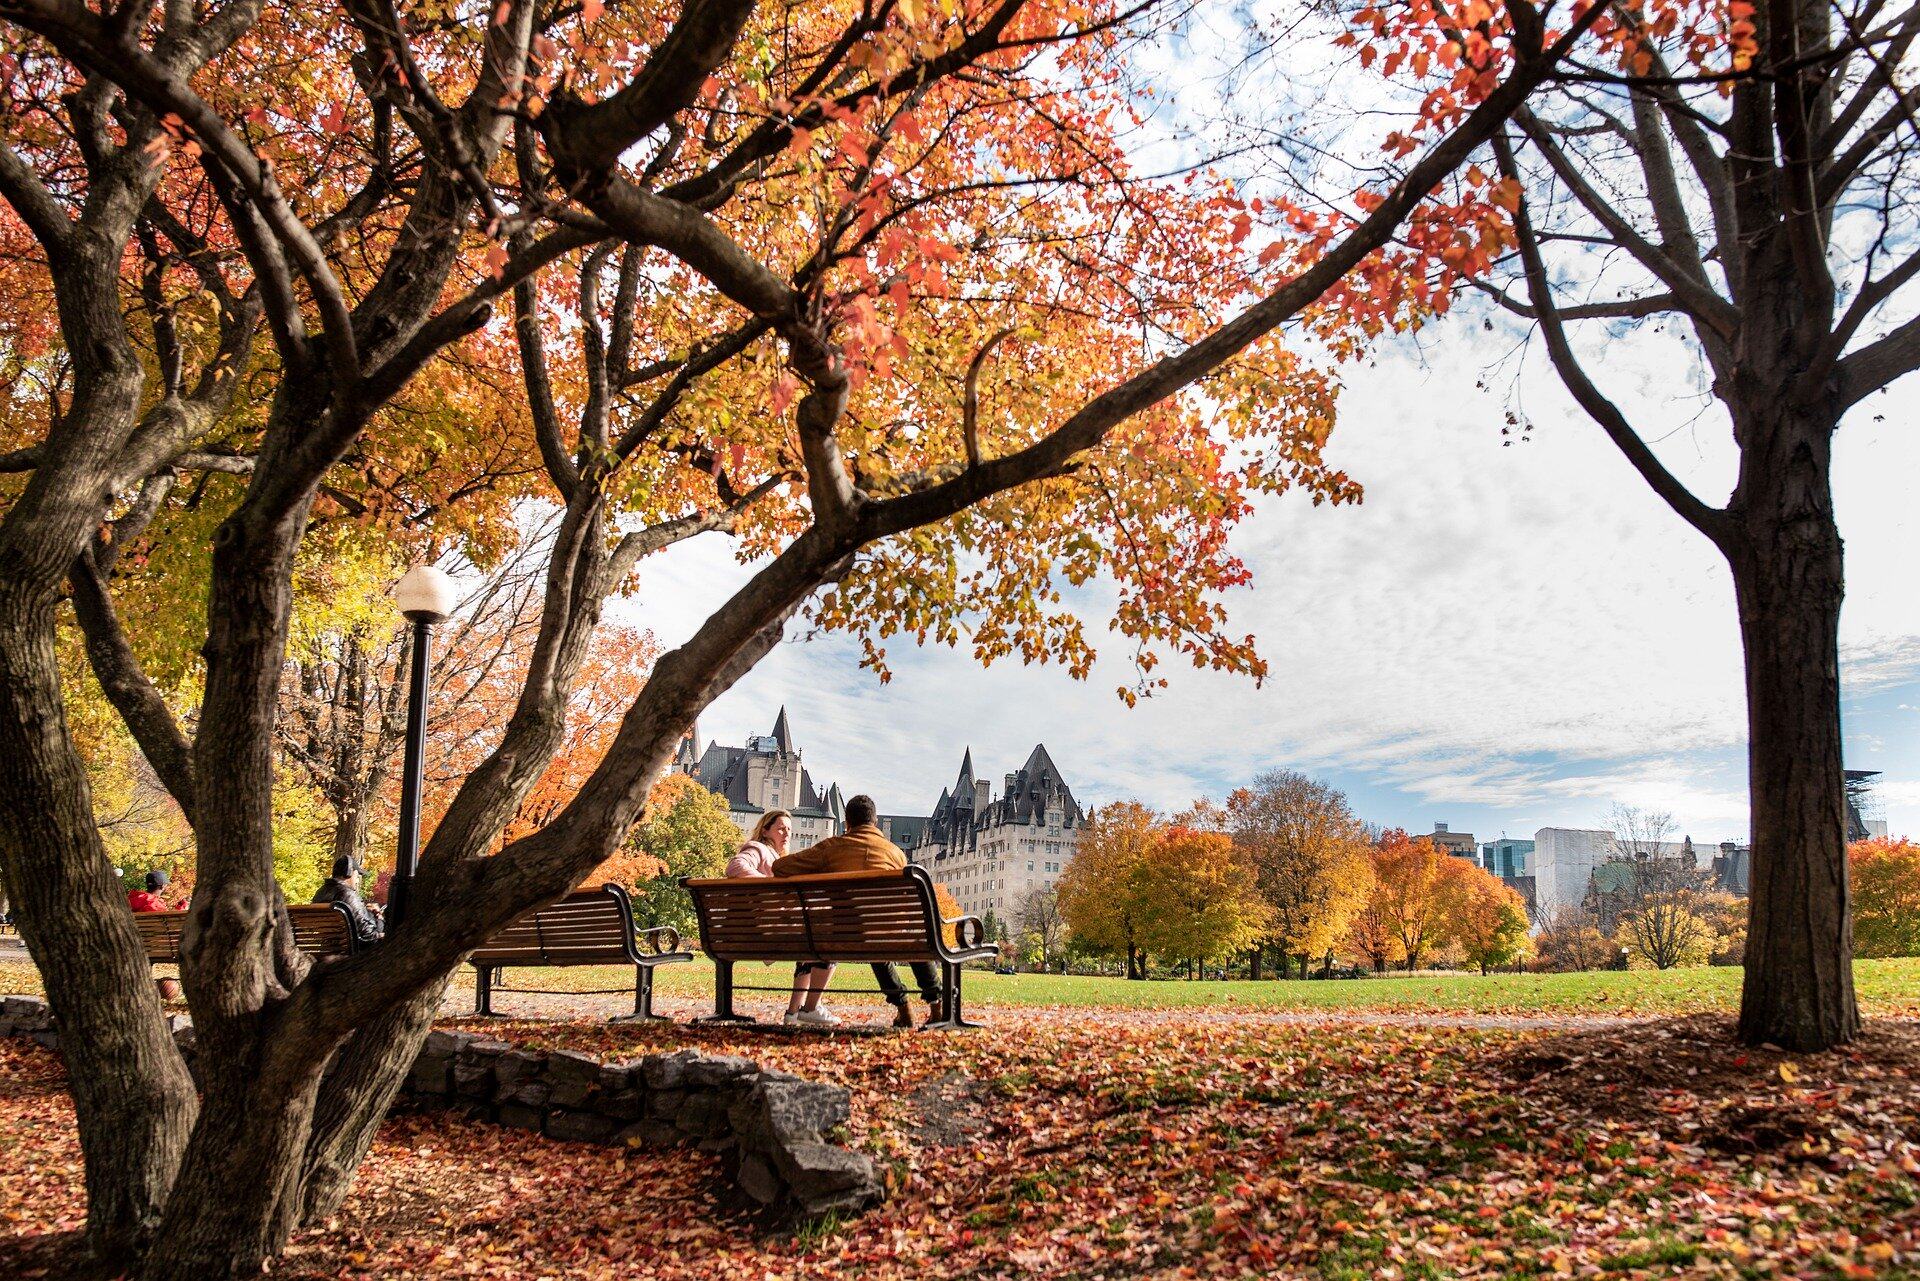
<point>923,973</point>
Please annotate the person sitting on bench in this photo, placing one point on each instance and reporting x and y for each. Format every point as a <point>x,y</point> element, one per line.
<point>344,888</point>
<point>862,848</point>
<point>758,853</point>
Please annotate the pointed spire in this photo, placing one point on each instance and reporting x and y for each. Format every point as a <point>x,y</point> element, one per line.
<point>966,771</point>
<point>782,732</point>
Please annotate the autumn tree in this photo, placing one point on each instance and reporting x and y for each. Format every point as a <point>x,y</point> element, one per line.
<point>1886,897</point>
<point>1732,180</point>
<point>1102,892</point>
<point>1570,940</point>
<point>1199,896</point>
<point>1666,929</point>
<point>1043,930</point>
<point>687,829</point>
<point>1411,875</point>
<point>1484,917</point>
<point>1309,857</point>
<point>989,359</point>
<point>1370,934</point>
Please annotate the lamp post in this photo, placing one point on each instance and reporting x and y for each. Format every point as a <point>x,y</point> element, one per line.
<point>424,595</point>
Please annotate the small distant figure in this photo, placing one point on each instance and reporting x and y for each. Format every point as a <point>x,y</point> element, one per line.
<point>149,900</point>
<point>862,848</point>
<point>758,853</point>
<point>343,887</point>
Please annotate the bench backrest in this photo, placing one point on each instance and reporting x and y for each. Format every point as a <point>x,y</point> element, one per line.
<point>843,916</point>
<point>587,927</point>
<point>319,929</point>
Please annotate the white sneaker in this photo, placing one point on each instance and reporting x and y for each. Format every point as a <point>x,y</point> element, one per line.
<point>814,1018</point>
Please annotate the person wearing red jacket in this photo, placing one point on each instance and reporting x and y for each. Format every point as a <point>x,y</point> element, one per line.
<point>149,900</point>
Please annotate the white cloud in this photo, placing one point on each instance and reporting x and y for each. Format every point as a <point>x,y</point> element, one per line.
<point>1525,628</point>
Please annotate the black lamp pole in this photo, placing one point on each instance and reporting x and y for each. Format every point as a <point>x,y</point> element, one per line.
<point>412,774</point>
<point>425,596</point>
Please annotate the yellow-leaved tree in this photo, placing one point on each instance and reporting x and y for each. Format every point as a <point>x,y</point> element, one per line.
<point>1103,892</point>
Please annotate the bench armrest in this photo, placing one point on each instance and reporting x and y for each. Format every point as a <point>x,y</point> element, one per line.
<point>660,939</point>
<point>960,926</point>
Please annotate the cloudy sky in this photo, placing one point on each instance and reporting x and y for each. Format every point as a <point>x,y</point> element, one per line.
<point>1499,638</point>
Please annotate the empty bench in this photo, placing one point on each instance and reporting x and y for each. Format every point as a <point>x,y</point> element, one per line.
<point>319,929</point>
<point>852,917</point>
<point>587,927</point>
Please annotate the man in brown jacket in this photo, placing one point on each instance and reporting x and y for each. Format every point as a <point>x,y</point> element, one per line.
<point>862,848</point>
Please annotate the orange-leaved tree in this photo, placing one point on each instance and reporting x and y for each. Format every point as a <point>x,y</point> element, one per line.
<point>877,290</point>
<point>1483,917</point>
<point>1409,877</point>
<point>1886,897</point>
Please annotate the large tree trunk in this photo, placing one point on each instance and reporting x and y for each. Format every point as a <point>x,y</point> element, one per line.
<point>131,1092</point>
<point>1786,562</point>
<point>366,1075</point>
<point>234,1201</point>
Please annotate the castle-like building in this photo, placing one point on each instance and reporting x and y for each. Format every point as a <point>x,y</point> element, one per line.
<point>766,774</point>
<point>991,854</point>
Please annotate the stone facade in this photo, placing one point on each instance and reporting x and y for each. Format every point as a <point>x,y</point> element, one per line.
<point>766,774</point>
<point>990,854</point>
<point>774,1130</point>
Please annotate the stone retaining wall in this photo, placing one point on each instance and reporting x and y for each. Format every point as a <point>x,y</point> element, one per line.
<point>774,1130</point>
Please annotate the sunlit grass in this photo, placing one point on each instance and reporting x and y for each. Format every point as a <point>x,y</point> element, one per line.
<point>1885,987</point>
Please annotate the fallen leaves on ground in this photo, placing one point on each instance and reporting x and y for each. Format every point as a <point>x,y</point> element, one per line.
<point>1100,1145</point>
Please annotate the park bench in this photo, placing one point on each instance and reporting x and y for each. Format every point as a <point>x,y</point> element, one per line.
<point>587,927</point>
<point>838,917</point>
<point>319,929</point>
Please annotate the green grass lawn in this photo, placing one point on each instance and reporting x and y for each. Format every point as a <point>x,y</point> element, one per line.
<point>1886,987</point>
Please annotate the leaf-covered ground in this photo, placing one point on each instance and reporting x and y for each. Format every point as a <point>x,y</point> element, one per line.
<point>1113,1145</point>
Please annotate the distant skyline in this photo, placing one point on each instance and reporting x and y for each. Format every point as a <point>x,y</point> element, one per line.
<point>1498,638</point>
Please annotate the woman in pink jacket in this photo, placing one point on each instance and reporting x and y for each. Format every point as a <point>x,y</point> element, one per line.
<point>756,858</point>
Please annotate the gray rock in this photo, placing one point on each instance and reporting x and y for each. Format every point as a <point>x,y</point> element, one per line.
<point>531,1092</point>
<point>666,1071</point>
<point>701,1116</point>
<point>513,1068</point>
<point>522,1118</point>
<point>664,1105</point>
<point>573,1079</point>
<point>824,1178</point>
<point>448,1043</point>
<point>580,1127</point>
<point>473,1075</point>
<point>719,1069</point>
<point>789,1111</point>
<point>23,1008</point>
<point>624,1105</point>
<point>757,1179</point>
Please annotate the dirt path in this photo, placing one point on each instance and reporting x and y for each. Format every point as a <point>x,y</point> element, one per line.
<point>868,1012</point>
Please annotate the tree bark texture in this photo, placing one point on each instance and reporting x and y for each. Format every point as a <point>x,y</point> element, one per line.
<point>1786,558</point>
<point>132,1096</point>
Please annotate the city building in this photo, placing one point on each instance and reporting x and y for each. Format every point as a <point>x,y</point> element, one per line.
<point>1507,858</point>
<point>766,774</point>
<point>1564,860</point>
<point>990,854</point>
<point>1865,819</point>
<point>1458,844</point>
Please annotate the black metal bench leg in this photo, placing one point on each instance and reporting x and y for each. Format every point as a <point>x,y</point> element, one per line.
<point>642,998</point>
<point>723,997</point>
<point>483,992</point>
<point>951,1010</point>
